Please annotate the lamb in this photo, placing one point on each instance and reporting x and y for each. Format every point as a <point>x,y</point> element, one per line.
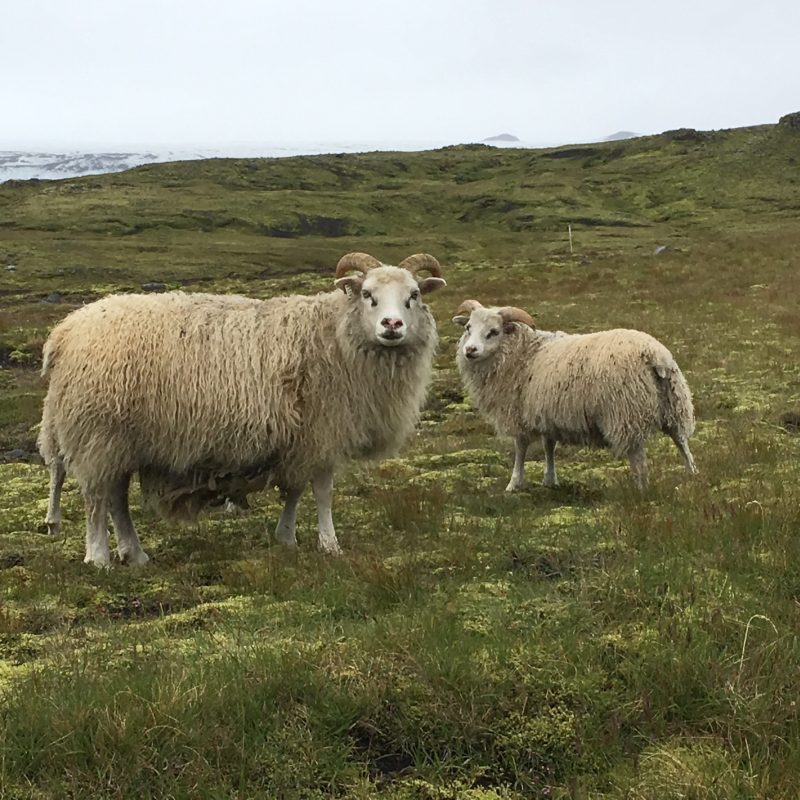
<point>608,389</point>
<point>211,397</point>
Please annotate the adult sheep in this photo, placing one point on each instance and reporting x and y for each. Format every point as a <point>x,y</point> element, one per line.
<point>609,389</point>
<point>209,397</point>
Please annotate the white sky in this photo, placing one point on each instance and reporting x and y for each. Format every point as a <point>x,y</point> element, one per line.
<point>252,71</point>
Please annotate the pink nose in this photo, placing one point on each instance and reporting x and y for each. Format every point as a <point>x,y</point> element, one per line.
<point>392,323</point>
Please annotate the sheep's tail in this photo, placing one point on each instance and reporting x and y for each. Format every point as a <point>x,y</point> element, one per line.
<point>47,440</point>
<point>48,357</point>
<point>677,409</point>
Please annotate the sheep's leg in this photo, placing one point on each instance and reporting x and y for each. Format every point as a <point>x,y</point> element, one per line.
<point>285,530</point>
<point>322,486</point>
<point>683,448</point>
<point>637,457</point>
<point>517,481</point>
<point>129,548</point>
<point>97,551</point>
<point>57,475</point>
<point>550,477</point>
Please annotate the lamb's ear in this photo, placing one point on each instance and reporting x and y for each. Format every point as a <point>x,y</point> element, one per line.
<point>428,285</point>
<point>350,284</point>
<point>461,320</point>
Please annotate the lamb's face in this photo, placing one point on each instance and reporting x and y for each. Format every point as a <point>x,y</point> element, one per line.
<point>484,330</point>
<point>390,304</point>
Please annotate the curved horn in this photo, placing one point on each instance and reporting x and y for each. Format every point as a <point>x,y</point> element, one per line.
<point>514,314</point>
<point>360,262</point>
<point>468,306</point>
<point>420,261</point>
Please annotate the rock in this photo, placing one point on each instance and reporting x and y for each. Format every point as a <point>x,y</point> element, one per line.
<point>11,268</point>
<point>8,560</point>
<point>154,286</point>
<point>53,297</point>
<point>790,421</point>
<point>661,248</point>
<point>688,135</point>
<point>791,121</point>
<point>17,454</point>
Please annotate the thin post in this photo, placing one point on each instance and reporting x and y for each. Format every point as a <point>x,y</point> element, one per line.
<point>569,228</point>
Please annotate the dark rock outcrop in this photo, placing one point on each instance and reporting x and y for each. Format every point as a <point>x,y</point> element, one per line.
<point>791,121</point>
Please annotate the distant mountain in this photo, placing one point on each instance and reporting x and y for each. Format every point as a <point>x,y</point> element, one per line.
<point>502,137</point>
<point>615,137</point>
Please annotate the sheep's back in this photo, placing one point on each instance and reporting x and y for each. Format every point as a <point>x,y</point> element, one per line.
<point>597,388</point>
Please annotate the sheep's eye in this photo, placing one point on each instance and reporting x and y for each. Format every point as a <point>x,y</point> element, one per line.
<point>365,294</point>
<point>415,295</point>
<point>492,332</point>
<point>467,328</point>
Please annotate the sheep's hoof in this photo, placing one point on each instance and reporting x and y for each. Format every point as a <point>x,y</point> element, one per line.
<point>550,484</point>
<point>330,548</point>
<point>100,560</point>
<point>54,528</point>
<point>287,538</point>
<point>514,487</point>
<point>134,558</point>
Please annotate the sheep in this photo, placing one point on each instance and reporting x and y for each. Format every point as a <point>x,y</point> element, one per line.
<point>211,397</point>
<point>608,389</point>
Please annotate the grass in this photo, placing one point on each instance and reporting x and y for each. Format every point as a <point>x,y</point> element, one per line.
<point>584,642</point>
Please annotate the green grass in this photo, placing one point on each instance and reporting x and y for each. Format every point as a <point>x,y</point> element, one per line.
<point>584,642</point>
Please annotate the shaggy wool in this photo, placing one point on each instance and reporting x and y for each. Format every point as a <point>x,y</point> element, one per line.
<point>613,388</point>
<point>208,396</point>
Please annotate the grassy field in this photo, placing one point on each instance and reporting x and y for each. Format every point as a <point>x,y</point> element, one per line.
<point>583,642</point>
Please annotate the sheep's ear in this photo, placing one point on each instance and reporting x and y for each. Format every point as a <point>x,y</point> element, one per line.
<point>428,285</point>
<point>509,327</point>
<point>461,320</point>
<point>350,284</point>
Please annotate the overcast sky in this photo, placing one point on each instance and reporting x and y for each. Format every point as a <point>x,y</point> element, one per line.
<point>253,71</point>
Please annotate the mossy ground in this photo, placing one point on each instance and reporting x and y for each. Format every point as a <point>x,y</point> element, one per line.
<point>584,642</point>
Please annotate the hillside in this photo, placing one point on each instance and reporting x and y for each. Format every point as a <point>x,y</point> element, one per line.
<point>582,642</point>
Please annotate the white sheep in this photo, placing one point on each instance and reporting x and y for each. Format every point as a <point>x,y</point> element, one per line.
<point>209,397</point>
<point>608,389</point>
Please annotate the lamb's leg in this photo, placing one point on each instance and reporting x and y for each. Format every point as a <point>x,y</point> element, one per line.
<point>97,551</point>
<point>128,546</point>
<point>57,475</point>
<point>285,530</point>
<point>517,481</point>
<point>322,486</point>
<point>550,477</point>
<point>683,448</point>
<point>637,457</point>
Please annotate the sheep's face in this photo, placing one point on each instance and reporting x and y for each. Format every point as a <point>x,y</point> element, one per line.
<point>389,300</point>
<point>484,330</point>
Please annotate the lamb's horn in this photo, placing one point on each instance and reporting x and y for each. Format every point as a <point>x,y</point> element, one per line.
<point>467,307</point>
<point>360,262</point>
<point>422,261</point>
<point>514,314</point>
